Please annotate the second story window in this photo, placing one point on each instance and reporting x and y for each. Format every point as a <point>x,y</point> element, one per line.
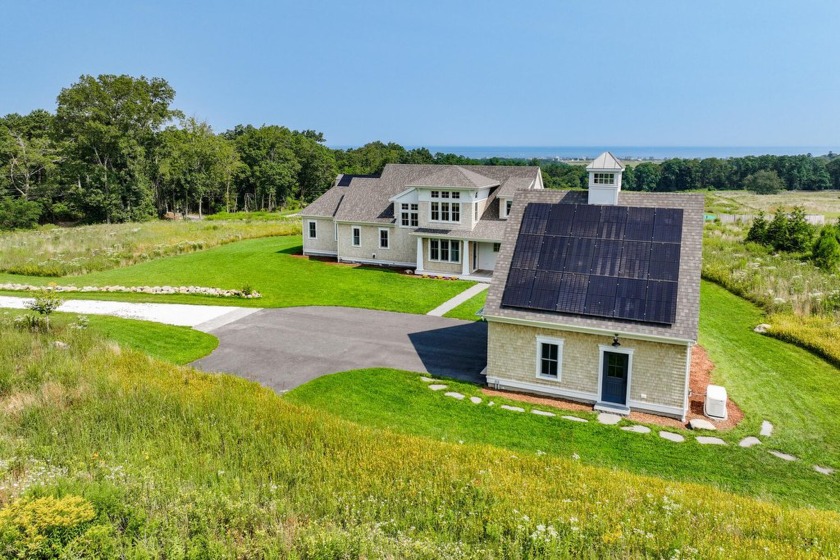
<point>409,215</point>
<point>445,212</point>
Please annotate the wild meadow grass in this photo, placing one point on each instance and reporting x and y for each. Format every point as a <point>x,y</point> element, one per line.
<point>135,458</point>
<point>54,251</point>
<point>826,203</point>
<point>803,301</point>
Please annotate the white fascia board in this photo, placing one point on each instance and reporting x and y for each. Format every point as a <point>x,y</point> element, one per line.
<point>402,194</point>
<point>588,330</point>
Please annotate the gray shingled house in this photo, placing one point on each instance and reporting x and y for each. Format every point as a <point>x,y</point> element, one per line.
<point>436,219</point>
<point>595,296</point>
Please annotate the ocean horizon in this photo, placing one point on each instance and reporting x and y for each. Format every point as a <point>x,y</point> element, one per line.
<point>622,152</point>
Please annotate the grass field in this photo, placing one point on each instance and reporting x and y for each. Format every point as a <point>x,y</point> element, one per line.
<point>270,266</point>
<point>135,458</point>
<point>53,251</point>
<point>769,379</point>
<point>469,309</point>
<point>826,203</point>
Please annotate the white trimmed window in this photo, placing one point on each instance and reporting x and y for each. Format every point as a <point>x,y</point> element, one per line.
<point>356,232</point>
<point>445,211</point>
<point>496,247</point>
<point>445,250</point>
<point>409,215</point>
<point>384,238</point>
<point>549,358</point>
<point>313,229</point>
<point>603,178</point>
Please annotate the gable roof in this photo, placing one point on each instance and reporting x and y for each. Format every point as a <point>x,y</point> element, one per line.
<point>605,162</point>
<point>367,199</point>
<point>454,176</point>
<point>684,327</point>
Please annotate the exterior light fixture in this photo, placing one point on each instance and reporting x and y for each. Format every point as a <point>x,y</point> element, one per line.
<point>615,342</point>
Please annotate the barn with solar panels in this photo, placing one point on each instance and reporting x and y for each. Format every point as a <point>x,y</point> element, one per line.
<point>596,295</point>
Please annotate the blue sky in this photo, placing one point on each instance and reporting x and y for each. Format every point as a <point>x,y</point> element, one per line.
<point>554,73</point>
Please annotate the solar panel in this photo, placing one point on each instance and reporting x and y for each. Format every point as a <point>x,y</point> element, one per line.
<point>667,225</point>
<point>615,262</point>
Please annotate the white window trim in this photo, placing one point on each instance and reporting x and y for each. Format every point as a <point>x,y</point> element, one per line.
<point>353,230</point>
<point>503,210</point>
<point>449,212</point>
<point>409,213</point>
<point>538,366</point>
<point>388,231</point>
<point>440,251</point>
<point>309,224</point>
<point>618,350</point>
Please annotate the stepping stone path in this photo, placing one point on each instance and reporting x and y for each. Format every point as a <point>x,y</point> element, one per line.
<point>677,438</point>
<point>427,380</point>
<point>574,419</point>
<point>455,395</point>
<point>491,403</point>
<point>437,387</point>
<point>700,424</point>
<point>609,419</point>
<point>637,429</point>
<point>706,440</point>
<point>513,408</point>
<point>749,441</point>
<point>542,413</point>
<point>823,470</point>
<point>784,456</point>
<point>766,429</point>
<point>475,400</point>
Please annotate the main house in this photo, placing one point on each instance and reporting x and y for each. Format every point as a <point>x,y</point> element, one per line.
<point>436,219</point>
<point>595,296</point>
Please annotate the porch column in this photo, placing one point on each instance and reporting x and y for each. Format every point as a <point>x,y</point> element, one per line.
<point>465,258</point>
<point>419,267</point>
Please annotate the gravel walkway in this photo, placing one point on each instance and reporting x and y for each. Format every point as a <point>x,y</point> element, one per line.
<point>200,317</point>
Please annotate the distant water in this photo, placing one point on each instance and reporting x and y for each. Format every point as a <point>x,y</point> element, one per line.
<point>626,152</point>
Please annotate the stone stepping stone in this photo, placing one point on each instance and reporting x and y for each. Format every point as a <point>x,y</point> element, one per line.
<point>706,440</point>
<point>455,395</point>
<point>766,429</point>
<point>574,419</point>
<point>823,470</point>
<point>677,438</point>
<point>783,456</point>
<point>637,429</point>
<point>609,419</point>
<point>475,400</point>
<point>512,408</point>
<point>542,413</point>
<point>491,403</point>
<point>437,387</point>
<point>749,441</point>
<point>427,380</point>
<point>700,424</point>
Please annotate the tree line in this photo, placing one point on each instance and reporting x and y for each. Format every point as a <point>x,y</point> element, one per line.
<point>116,150</point>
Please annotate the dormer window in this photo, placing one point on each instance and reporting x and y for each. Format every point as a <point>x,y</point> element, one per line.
<point>603,178</point>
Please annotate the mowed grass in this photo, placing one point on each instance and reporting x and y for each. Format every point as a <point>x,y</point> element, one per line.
<point>54,251</point>
<point>273,267</point>
<point>468,310</point>
<point>169,462</point>
<point>769,379</point>
<point>178,345</point>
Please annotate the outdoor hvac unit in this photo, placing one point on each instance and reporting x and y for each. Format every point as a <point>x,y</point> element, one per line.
<point>715,406</point>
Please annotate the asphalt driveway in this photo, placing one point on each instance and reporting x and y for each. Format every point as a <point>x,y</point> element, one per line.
<point>284,348</point>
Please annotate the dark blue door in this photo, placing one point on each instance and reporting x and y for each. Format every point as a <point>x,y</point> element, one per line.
<point>614,384</point>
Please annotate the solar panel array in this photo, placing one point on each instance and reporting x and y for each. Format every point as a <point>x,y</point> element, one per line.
<point>616,262</point>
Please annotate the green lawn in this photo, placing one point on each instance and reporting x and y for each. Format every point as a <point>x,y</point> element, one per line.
<point>768,378</point>
<point>469,309</point>
<point>128,457</point>
<point>270,266</point>
<point>178,345</point>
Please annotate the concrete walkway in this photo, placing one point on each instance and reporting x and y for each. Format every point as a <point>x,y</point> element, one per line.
<point>448,306</point>
<point>201,317</point>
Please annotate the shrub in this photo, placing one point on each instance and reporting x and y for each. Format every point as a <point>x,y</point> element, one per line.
<point>41,527</point>
<point>758,230</point>
<point>826,252</point>
<point>785,232</point>
<point>764,182</point>
<point>44,303</point>
<point>19,213</point>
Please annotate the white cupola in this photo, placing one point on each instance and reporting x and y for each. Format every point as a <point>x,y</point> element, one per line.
<point>604,179</point>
